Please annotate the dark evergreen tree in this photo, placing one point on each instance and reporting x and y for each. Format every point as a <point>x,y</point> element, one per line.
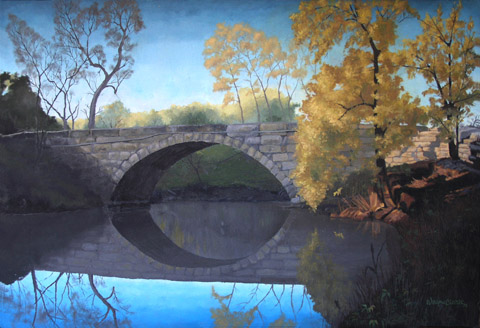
<point>19,108</point>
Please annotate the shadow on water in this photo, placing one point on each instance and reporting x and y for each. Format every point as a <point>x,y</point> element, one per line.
<point>137,226</point>
<point>25,239</point>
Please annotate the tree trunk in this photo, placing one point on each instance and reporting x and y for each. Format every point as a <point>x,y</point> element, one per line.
<point>239,102</point>
<point>65,124</point>
<point>93,109</point>
<point>453,150</point>
<point>256,102</point>
<point>270,114</point>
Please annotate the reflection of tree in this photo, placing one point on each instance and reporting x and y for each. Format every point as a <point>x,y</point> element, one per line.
<point>325,281</point>
<point>225,317</point>
<point>64,299</point>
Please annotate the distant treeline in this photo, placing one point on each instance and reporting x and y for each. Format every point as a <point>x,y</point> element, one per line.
<point>20,110</point>
<point>116,115</point>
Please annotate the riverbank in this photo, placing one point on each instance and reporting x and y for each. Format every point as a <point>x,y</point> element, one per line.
<point>31,181</point>
<point>436,280</point>
<point>201,192</point>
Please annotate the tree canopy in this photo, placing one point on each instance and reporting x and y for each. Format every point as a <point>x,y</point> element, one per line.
<point>243,58</point>
<point>444,54</point>
<point>19,108</point>
<point>365,89</point>
<point>113,116</point>
<point>79,29</point>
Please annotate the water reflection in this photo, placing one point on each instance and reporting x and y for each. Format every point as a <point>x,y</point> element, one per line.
<point>225,230</point>
<point>47,299</point>
<point>196,244</point>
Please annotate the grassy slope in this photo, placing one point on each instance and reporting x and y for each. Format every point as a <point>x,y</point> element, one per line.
<point>219,166</point>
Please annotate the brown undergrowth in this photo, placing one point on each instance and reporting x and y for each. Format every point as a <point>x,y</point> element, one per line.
<point>412,186</point>
<point>436,280</point>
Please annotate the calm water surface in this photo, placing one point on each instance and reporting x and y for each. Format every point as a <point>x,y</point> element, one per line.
<point>177,264</point>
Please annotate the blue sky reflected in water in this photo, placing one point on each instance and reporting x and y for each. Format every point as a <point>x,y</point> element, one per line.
<point>150,303</point>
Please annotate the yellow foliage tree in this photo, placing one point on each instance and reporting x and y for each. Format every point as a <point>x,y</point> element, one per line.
<point>240,56</point>
<point>221,59</point>
<point>444,55</point>
<point>364,89</point>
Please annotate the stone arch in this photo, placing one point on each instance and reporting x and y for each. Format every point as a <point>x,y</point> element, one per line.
<point>137,176</point>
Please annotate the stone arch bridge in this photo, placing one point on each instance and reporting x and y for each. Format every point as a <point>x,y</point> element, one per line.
<point>124,165</point>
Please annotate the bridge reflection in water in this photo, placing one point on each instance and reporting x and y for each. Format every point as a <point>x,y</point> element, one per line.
<point>199,242</point>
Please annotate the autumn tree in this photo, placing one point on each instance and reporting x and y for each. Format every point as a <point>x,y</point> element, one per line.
<point>240,56</point>
<point>222,62</point>
<point>53,69</point>
<point>364,89</point>
<point>444,54</point>
<point>83,28</point>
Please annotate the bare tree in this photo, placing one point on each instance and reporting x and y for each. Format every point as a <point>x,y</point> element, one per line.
<point>53,70</point>
<point>81,28</point>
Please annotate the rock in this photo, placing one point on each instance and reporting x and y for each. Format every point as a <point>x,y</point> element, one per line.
<point>396,216</point>
<point>406,201</point>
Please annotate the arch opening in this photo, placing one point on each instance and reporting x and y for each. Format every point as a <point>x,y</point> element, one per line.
<point>138,183</point>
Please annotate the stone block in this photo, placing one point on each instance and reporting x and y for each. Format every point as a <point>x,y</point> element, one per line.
<point>237,143</point>
<point>133,159</point>
<point>275,170</point>
<point>218,139</point>
<point>124,146</point>
<point>102,148</point>
<point>271,139</point>
<point>270,149</point>
<point>260,255</point>
<point>228,141</point>
<point>251,151</point>
<point>253,140</point>
<point>125,166</point>
<point>236,130</point>
<point>269,165</point>
<point>188,136</point>
<point>288,165</point>
<point>179,138</point>
<point>280,157</point>
<point>273,126</point>
<point>283,249</point>
<point>207,137</point>
<point>142,153</point>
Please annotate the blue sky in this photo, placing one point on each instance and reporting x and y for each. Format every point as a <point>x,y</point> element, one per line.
<point>168,59</point>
